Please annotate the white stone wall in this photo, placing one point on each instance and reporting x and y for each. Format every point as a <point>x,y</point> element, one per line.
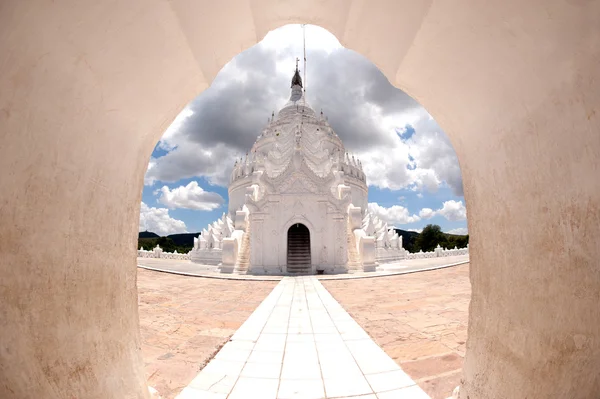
<point>158,253</point>
<point>387,255</point>
<point>269,228</point>
<point>359,195</point>
<point>237,195</point>
<point>207,256</point>
<point>439,252</point>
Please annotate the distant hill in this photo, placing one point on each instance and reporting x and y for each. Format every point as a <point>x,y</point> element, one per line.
<point>147,234</point>
<point>184,239</point>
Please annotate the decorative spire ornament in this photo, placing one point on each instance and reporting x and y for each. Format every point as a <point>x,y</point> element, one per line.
<point>297,80</point>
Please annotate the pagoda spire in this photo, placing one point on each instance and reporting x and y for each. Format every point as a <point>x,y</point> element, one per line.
<point>297,80</point>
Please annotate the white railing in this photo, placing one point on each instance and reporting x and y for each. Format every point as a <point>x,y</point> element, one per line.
<point>439,253</point>
<point>158,253</point>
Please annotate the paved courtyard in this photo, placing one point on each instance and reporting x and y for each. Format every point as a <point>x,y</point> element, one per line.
<point>184,321</point>
<point>419,319</point>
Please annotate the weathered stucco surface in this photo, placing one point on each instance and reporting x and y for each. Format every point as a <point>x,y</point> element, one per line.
<point>87,88</point>
<point>422,326</point>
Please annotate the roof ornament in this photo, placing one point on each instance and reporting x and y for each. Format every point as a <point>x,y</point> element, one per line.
<point>297,80</point>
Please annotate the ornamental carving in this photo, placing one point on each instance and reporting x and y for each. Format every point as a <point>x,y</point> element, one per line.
<point>298,184</point>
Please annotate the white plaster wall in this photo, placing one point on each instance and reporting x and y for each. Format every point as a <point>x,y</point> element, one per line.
<point>269,228</point>
<point>237,195</point>
<point>360,197</point>
<point>87,88</point>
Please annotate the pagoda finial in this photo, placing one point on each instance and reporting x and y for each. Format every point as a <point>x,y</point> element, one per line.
<point>297,80</point>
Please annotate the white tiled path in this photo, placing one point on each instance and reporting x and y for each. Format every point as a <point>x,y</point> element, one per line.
<point>300,343</point>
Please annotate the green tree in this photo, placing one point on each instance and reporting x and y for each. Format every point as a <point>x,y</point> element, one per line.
<point>147,243</point>
<point>430,237</point>
<point>166,244</point>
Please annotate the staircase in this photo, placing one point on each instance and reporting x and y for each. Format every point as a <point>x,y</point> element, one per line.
<point>354,263</point>
<point>298,254</point>
<point>243,259</point>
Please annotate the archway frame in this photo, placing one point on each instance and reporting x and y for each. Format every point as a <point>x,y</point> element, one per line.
<point>505,80</point>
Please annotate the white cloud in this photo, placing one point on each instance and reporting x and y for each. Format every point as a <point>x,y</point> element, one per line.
<point>157,220</point>
<point>148,178</point>
<point>393,215</point>
<point>370,115</point>
<point>191,196</point>
<point>459,231</point>
<point>432,151</point>
<point>421,160</point>
<point>415,230</point>
<point>453,211</point>
<point>426,213</point>
<point>191,159</point>
<point>316,38</point>
<point>179,122</point>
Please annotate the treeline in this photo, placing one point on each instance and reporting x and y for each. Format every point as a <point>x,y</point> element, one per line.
<point>166,243</point>
<point>431,236</point>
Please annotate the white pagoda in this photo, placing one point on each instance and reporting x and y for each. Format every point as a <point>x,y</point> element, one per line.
<point>297,204</point>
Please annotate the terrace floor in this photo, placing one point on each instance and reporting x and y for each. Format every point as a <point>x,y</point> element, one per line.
<point>418,319</point>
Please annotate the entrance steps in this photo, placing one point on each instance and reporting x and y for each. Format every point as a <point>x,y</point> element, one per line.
<point>298,253</point>
<point>243,259</point>
<point>354,263</point>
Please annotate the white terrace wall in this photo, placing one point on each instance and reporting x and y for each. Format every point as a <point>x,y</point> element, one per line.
<point>158,253</point>
<point>439,252</point>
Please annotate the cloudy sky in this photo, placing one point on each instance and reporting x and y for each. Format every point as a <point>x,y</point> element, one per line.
<point>412,170</point>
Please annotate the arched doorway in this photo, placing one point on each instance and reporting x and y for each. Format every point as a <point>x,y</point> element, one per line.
<point>298,249</point>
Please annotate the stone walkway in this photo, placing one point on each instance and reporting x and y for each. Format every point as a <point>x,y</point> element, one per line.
<point>301,343</point>
<point>185,321</point>
<point>419,319</point>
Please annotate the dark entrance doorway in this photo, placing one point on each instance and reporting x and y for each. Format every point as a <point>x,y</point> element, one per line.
<point>298,249</point>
